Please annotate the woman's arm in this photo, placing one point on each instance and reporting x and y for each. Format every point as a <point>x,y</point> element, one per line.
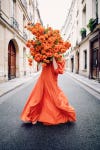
<point>59,66</point>
<point>55,65</point>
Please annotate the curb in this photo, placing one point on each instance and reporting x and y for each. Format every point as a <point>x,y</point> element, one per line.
<point>18,86</point>
<point>88,85</point>
<point>84,83</point>
<point>11,89</point>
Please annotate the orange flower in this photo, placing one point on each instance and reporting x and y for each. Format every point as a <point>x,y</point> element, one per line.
<point>47,43</point>
<point>30,64</point>
<point>30,60</point>
<point>38,57</point>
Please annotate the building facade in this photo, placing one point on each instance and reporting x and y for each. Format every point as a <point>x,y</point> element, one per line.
<point>84,55</point>
<point>14,15</point>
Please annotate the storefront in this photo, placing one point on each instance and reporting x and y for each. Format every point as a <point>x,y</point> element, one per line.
<point>94,72</point>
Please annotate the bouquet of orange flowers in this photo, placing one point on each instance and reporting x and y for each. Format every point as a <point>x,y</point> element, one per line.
<point>46,44</point>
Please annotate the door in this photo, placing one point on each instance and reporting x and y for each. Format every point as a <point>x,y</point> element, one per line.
<point>72,63</point>
<point>11,60</point>
<point>94,60</point>
<point>95,63</point>
<point>78,62</point>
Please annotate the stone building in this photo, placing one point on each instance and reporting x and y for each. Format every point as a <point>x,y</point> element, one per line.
<point>84,55</point>
<point>14,15</point>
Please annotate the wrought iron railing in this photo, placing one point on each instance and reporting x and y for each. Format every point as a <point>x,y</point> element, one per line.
<point>14,23</point>
<point>24,2</point>
<point>95,22</point>
<point>25,35</point>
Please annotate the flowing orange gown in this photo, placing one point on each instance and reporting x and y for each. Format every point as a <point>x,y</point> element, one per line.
<point>47,102</point>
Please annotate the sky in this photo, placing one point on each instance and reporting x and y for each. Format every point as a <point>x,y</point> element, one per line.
<point>53,12</point>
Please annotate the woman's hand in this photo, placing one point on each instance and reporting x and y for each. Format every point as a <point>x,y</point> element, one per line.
<point>55,65</point>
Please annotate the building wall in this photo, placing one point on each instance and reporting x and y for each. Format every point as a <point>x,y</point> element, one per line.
<point>78,17</point>
<point>14,30</point>
<point>84,46</point>
<point>2,52</point>
<point>98,11</point>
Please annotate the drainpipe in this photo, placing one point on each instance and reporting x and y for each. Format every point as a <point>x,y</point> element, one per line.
<point>99,58</point>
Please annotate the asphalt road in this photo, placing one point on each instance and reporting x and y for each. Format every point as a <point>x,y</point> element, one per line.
<point>82,135</point>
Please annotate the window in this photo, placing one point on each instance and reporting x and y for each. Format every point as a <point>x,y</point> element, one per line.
<point>24,58</point>
<point>23,21</point>
<point>96,8</point>
<point>95,57</point>
<point>85,59</point>
<point>82,1</point>
<point>84,16</point>
<point>13,8</point>
<point>77,13</point>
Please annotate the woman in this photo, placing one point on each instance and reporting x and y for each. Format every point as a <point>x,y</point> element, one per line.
<point>47,103</point>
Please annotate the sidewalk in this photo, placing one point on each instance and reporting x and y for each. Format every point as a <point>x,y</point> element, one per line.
<point>14,83</point>
<point>93,84</point>
<point>10,85</point>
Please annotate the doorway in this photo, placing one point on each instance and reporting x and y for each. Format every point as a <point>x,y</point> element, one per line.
<point>72,64</point>
<point>11,61</point>
<point>95,63</point>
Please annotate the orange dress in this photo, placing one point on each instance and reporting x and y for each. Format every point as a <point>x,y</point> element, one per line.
<point>47,102</point>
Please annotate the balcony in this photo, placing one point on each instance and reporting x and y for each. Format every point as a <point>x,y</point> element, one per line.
<point>14,23</point>
<point>25,35</point>
<point>24,2</point>
<point>92,24</point>
<point>95,22</point>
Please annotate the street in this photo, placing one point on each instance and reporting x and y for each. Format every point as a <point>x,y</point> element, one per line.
<point>82,135</point>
